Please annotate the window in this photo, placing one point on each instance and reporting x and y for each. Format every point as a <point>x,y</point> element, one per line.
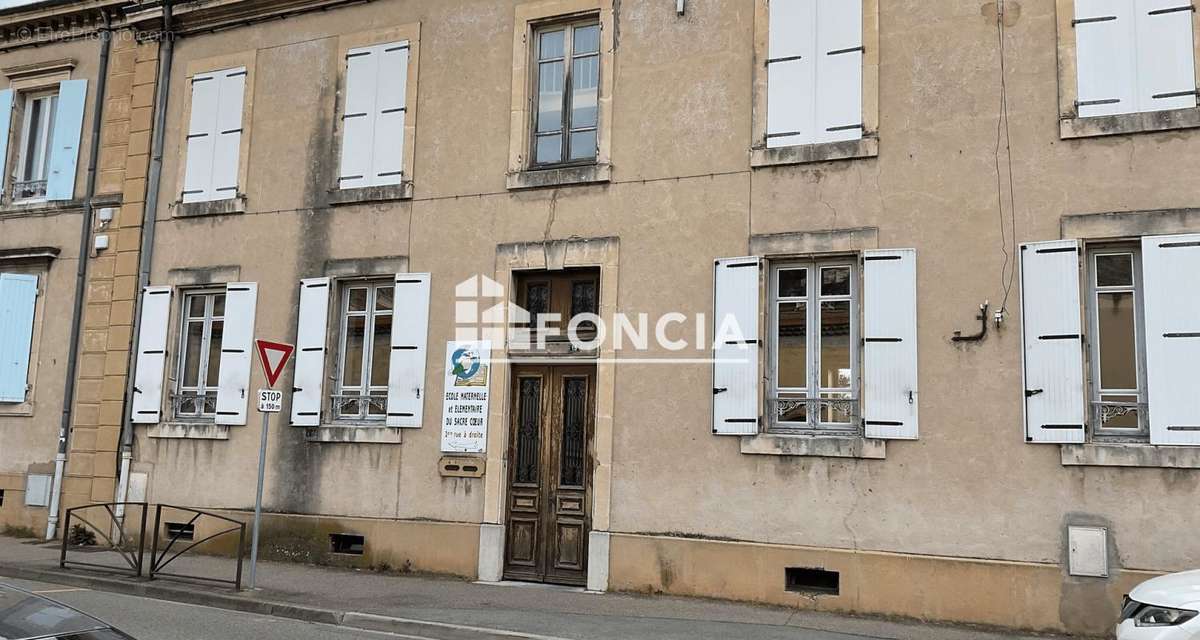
<point>214,138</point>
<point>364,350</point>
<point>37,139</point>
<point>566,293</point>
<point>1133,56</point>
<point>813,351</point>
<point>814,63</point>
<point>373,117</point>
<point>200,354</point>
<point>18,295</point>
<point>1117,352</point>
<point>566,70</point>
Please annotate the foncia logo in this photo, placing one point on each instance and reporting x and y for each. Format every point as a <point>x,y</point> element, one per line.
<point>482,311</point>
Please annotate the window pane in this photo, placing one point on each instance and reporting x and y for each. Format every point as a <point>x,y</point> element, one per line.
<point>1118,340</point>
<point>381,350</point>
<point>835,345</point>
<point>195,306</point>
<point>550,96</point>
<point>33,139</point>
<point>836,412</point>
<point>44,171</point>
<point>352,364</point>
<point>383,299</point>
<point>585,80</point>
<point>1119,418</point>
<point>587,39</point>
<point>219,305</point>
<point>549,149</point>
<point>835,281</point>
<point>792,341</point>
<point>358,299</point>
<point>583,297</point>
<point>583,145</point>
<point>793,283</point>
<point>379,406</point>
<point>791,410</point>
<point>550,44</point>
<point>214,353</point>
<point>1115,270</point>
<point>191,353</point>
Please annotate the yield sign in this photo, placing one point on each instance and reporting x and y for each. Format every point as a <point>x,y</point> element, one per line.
<point>273,355</point>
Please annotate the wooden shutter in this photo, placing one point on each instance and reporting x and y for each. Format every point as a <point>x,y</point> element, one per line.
<point>311,326</point>
<point>889,391</point>
<point>68,125</point>
<point>237,341</point>
<point>839,70</point>
<point>6,111</point>
<point>1052,342</point>
<point>18,297</point>
<point>735,361</point>
<point>791,72</point>
<point>152,355</point>
<point>201,138</point>
<point>1171,276</point>
<point>227,147</point>
<point>406,372</point>
<point>1106,57</point>
<point>388,154</point>
<point>358,118</point>
<point>1166,62</point>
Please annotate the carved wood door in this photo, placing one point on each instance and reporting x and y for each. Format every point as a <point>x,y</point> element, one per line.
<point>549,479</point>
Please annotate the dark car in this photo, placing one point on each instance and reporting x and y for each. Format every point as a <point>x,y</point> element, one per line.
<point>28,616</point>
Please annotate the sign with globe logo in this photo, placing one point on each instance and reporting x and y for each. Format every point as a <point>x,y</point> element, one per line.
<point>465,401</point>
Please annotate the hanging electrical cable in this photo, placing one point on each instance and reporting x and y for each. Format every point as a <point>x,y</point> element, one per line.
<point>1008,236</point>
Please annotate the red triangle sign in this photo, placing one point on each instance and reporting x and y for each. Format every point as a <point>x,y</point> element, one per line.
<point>273,355</point>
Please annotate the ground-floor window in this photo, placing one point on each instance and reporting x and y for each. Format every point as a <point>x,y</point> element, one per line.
<point>203,326</point>
<point>364,350</point>
<point>1117,349</point>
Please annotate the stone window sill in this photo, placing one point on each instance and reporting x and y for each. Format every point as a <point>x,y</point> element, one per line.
<point>37,207</point>
<point>562,176</point>
<point>189,431</point>
<point>353,434</point>
<point>802,154</point>
<point>17,409</point>
<point>775,444</point>
<point>1130,455</point>
<point>385,193</point>
<point>210,207</point>
<point>1074,127</point>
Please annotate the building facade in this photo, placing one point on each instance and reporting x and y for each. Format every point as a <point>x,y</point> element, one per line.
<point>920,282</point>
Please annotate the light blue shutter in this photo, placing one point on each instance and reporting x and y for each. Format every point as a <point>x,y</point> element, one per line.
<point>6,109</point>
<point>68,124</point>
<point>18,293</point>
<point>237,343</point>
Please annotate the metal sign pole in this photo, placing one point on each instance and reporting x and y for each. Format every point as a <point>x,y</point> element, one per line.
<point>262,468</point>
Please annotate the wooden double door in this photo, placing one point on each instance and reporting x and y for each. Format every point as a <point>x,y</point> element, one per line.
<point>550,473</point>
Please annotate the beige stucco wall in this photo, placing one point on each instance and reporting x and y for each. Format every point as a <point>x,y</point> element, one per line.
<point>682,194</point>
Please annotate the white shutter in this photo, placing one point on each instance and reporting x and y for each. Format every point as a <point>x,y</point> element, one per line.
<point>358,118</point>
<point>388,156</point>
<point>791,72</point>
<point>735,367</point>
<point>406,371</point>
<point>152,355</point>
<point>228,145</point>
<point>890,344</point>
<point>839,70</point>
<point>1052,353</point>
<point>310,352</point>
<point>241,300</point>
<point>1171,276</point>
<point>201,138</point>
<point>1106,57</point>
<point>1166,63</point>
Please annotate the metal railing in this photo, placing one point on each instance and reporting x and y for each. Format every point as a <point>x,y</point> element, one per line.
<point>118,536</point>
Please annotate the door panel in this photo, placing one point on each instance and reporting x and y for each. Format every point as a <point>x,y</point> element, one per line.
<point>550,474</point>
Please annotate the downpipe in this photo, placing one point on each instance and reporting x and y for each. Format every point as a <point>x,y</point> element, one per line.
<point>85,237</point>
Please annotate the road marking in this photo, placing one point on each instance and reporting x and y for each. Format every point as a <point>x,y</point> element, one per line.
<point>347,622</point>
<point>59,590</point>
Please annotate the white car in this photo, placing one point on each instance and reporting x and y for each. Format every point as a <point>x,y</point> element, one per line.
<point>1163,608</point>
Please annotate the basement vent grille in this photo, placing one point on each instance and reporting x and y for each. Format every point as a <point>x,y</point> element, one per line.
<point>808,580</point>
<point>347,543</point>
<point>181,530</point>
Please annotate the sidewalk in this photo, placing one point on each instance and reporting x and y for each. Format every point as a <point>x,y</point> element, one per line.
<point>448,608</point>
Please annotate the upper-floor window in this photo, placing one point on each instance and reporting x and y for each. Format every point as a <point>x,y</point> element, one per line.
<point>1134,56</point>
<point>566,69</point>
<point>1117,350</point>
<point>814,72</point>
<point>813,348</point>
<point>214,138</point>
<point>37,135</point>
<point>373,116</point>
<point>200,354</point>
<point>364,350</point>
